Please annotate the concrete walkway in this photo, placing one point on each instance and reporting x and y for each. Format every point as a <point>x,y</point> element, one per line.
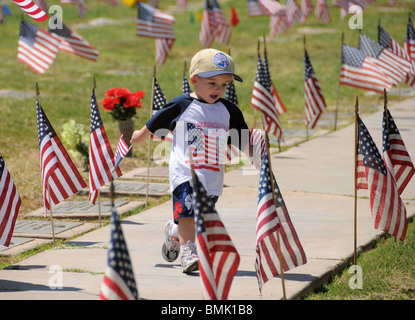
<point>316,179</point>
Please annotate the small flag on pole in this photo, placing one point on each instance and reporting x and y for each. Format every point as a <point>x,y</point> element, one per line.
<point>395,153</point>
<point>122,150</point>
<point>9,204</point>
<point>314,99</point>
<point>156,24</point>
<point>101,157</point>
<point>218,258</point>
<point>118,282</point>
<point>57,169</point>
<point>388,209</point>
<point>36,47</point>
<point>72,42</point>
<point>360,71</point>
<point>393,66</point>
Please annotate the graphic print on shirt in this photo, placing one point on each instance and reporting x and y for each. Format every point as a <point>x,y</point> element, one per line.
<point>205,147</point>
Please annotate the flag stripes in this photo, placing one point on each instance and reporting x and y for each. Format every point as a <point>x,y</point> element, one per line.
<point>388,209</point>
<point>360,71</point>
<point>314,99</point>
<point>32,9</point>
<point>395,154</point>
<point>218,258</point>
<point>36,48</point>
<point>274,225</point>
<point>60,178</point>
<point>101,157</point>
<point>10,202</point>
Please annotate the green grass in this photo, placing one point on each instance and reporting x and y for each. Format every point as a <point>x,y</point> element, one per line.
<point>388,273</point>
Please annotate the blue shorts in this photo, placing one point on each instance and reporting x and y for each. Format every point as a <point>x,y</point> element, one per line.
<point>183,201</point>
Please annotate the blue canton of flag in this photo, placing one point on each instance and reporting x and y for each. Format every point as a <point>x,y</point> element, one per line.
<point>43,125</point>
<point>370,47</point>
<point>353,57</point>
<point>370,153</point>
<point>118,282</point>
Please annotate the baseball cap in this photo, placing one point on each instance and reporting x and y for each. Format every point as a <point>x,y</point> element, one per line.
<point>209,63</point>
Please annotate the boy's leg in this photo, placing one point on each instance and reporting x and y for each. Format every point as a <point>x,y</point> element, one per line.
<point>186,230</point>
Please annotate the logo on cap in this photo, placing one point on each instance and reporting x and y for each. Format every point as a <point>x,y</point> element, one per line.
<point>220,60</point>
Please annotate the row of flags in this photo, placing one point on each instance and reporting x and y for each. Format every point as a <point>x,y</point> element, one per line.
<point>379,65</point>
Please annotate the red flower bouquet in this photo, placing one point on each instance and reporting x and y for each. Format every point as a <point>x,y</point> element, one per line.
<point>122,103</point>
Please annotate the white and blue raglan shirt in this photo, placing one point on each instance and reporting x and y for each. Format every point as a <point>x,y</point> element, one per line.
<point>204,128</point>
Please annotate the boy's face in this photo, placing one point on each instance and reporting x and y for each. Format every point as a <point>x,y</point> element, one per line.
<point>211,89</point>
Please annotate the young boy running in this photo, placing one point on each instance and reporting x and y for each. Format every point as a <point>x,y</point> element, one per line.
<point>202,123</point>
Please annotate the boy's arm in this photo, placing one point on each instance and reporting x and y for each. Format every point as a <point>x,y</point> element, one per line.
<point>140,136</point>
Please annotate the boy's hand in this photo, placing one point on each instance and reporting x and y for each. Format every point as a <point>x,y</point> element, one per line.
<point>140,135</point>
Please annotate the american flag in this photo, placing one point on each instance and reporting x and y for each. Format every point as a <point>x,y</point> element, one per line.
<point>159,100</point>
<point>121,152</point>
<point>256,9</point>
<point>208,25</point>
<point>314,99</point>
<point>32,9</point>
<point>72,42</point>
<point>232,152</point>
<point>223,27</point>
<point>306,9</point>
<point>114,3</point>
<point>272,216</point>
<point>395,153</point>
<point>322,11</point>
<point>258,142</point>
<point>278,24</point>
<point>186,87</point>
<point>360,71</point>
<point>409,47</point>
<point>263,100</point>
<point>118,282</point>
<point>293,12</point>
<point>394,67</point>
<point>36,47</point>
<point>204,147</point>
<point>101,157</point>
<point>271,87</point>
<point>271,7</point>
<point>59,174</point>
<point>218,258</point>
<point>156,24</point>
<point>388,209</point>
<point>9,204</point>
<point>230,94</point>
<point>388,42</point>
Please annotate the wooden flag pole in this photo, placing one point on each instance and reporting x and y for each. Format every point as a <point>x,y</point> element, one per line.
<point>356,141</point>
<point>280,257</point>
<point>338,85</point>
<point>149,138</point>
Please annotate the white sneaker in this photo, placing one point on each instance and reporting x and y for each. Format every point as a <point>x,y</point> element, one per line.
<point>189,259</point>
<point>171,246</point>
